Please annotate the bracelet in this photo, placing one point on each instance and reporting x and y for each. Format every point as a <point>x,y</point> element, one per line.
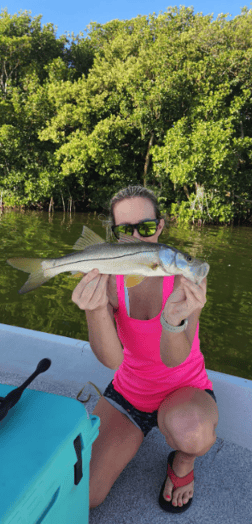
<point>173,329</point>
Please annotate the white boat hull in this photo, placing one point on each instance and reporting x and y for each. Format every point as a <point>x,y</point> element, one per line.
<point>74,364</point>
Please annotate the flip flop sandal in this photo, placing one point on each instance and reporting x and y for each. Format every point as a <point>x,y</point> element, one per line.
<point>177,482</point>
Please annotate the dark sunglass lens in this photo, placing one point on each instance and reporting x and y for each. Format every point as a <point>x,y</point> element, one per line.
<point>126,230</point>
<point>147,229</point>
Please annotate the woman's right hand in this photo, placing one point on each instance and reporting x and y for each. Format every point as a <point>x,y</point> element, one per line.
<point>92,291</point>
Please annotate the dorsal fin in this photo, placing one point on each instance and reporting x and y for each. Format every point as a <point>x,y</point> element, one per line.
<point>127,238</point>
<point>87,238</point>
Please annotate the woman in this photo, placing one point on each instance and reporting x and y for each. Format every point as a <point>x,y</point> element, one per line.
<point>161,378</point>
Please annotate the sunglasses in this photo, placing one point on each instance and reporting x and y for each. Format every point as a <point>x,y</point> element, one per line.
<point>147,228</point>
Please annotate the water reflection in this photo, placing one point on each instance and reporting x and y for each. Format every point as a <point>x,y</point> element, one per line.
<point>225,322</point>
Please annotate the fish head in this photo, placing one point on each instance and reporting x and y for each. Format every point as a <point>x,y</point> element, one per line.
<point>175,262</point>
<point>192,268</point>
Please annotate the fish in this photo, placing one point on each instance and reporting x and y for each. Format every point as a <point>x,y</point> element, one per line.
<point>131,257</point>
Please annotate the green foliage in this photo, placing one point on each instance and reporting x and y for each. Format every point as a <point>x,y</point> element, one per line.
<point>163,101</point>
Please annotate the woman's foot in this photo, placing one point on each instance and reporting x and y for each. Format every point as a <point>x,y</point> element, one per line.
<point>181,466</point>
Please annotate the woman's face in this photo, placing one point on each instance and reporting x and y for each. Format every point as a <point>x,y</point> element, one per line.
<point>134,210</point>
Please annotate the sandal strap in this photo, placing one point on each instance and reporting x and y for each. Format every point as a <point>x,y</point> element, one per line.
<point>178,482</point>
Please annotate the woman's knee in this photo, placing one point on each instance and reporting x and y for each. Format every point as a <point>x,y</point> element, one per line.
<point>94,502</point>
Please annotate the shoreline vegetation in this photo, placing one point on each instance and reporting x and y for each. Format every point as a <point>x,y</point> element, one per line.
<point>163,101</point>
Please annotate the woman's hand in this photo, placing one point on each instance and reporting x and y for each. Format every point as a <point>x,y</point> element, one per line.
<point>186,298</point>
<point>91,292</point>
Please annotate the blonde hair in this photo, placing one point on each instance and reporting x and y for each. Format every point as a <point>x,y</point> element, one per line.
<point>131,192</point>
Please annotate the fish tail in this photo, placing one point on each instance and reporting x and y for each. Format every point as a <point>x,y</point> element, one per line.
<point>34,267</point>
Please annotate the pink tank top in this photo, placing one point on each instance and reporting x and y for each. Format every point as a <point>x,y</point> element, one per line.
<point>142,378</point>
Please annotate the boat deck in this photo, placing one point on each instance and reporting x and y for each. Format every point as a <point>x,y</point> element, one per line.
<point>223,477</point>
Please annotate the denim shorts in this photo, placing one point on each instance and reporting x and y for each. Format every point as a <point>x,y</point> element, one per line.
<point>142,420</point>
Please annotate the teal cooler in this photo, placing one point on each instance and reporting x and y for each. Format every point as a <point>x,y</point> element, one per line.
<point>45,451</point>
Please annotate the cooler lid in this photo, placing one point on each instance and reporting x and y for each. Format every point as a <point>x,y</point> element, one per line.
<point>38,428</point>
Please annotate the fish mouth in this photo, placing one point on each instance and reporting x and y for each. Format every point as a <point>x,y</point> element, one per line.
<point>197,272</point>
<point>202,272</point>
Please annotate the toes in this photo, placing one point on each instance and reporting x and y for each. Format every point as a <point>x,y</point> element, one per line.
<point>186,497</point>
<point>167,495</point>
<point>179,500</point>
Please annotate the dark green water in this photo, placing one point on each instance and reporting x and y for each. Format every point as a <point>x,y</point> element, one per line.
<point>226,319</point>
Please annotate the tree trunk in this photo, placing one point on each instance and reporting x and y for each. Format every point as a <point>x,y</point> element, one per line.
<point>186,191</point>
<point>242,130</point>
<point>63,203</point>
<point>147,159</point>
<point>51,205</point>
<point>70,203</point>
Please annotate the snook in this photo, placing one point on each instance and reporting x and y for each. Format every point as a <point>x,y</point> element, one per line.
<point>127,257</point>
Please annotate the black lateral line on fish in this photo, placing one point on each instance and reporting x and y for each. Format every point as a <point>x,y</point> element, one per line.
<point>97,259</point>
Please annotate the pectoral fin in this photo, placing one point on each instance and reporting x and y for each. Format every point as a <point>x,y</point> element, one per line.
<point>133,280</point>
<point>77,274</point>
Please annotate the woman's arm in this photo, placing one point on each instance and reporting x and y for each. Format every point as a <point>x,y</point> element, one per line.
<point>186,301</point>
<point>103,337</point>
<point>91,294</point>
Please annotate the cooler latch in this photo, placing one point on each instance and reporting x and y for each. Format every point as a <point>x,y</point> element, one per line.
<point>78,474</point>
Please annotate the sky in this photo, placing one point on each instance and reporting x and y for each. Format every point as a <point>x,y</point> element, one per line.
<point>73,16</point>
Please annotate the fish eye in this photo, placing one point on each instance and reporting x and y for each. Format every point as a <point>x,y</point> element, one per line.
<point>188,257</point>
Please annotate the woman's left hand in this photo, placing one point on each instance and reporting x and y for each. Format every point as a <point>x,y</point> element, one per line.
<point>186,298</point>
